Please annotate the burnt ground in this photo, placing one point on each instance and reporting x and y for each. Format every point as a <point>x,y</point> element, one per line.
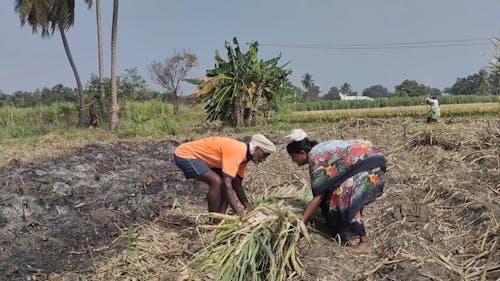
<point>61,216</point>
<point>54,213</point>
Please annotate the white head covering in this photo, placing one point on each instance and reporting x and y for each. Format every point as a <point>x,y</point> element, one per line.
<point>259,140</point>
<point>295,135</point>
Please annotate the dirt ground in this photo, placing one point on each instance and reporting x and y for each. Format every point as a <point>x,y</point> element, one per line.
<point>63,217</point>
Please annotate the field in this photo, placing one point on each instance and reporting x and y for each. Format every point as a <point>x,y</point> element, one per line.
<point>108,209</point>
<point>447,110</point>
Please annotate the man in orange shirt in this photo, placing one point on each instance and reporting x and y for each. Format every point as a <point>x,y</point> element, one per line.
<point>221,163</point>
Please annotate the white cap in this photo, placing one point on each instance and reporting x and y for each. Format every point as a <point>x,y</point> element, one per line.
<point>295,135</point>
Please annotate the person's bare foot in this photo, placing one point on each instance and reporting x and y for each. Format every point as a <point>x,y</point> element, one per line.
<point>362,247</point>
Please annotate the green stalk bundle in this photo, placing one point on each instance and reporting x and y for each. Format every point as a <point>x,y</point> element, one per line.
<point>262,245</point>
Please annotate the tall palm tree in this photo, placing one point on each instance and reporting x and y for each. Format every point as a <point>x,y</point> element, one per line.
<point>49,15</point>
<point>100,55</point>
<point>114,98</point>
<point>308,84</point>
<point>307,81</point>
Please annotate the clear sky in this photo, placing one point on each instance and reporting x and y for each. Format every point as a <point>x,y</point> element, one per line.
<point>153,29</point>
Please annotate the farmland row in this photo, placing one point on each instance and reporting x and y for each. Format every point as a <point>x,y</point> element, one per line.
<point>449,110</point>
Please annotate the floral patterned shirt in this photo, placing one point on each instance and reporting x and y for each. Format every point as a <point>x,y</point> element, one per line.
<point>331,160</point>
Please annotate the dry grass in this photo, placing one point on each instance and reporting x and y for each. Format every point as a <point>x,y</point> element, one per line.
<point>156,251</point>
<point>447,110</point>
<point>452,168</point>
<point>18,151</point>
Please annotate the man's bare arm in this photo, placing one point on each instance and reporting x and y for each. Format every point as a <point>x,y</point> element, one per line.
<point>231,195</point>
<point>240,191</point>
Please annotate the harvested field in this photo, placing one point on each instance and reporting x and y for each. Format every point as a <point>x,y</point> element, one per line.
<point>447,110</point>
<point>122,211</point>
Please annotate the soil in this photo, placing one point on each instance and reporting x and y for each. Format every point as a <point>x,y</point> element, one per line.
<point>61,215</point>
<point>54,213</point>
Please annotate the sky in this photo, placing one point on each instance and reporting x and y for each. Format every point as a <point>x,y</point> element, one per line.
<point>307,33</point>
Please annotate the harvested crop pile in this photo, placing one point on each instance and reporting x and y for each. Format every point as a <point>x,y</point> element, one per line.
<point>262,245</point>
<point>445,139</point>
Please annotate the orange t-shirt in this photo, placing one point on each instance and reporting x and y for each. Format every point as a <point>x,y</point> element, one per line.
<point>217,152</point>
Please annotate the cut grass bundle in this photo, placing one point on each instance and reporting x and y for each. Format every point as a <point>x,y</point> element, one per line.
<point>263,245</point>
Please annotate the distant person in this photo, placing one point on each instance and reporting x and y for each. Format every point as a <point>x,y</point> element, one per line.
<point>434,113</point>
<point>345,176</point>
<point>221,163</point>
<point>92,117</point>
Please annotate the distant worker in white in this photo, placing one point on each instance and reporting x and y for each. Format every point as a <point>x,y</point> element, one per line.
<point>434,113</point>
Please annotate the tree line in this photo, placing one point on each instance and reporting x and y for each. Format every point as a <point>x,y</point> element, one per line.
<point>239,90</point>
<point>131,87</point>
<point>482,83</point>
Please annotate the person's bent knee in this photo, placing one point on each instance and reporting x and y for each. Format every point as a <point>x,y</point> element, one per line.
<point>210,178</point>
<point>216,181</point>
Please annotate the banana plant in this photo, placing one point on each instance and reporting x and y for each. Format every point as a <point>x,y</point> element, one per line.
<point>243,89</point>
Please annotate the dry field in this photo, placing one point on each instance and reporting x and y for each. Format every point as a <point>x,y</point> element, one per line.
<point>69,217</point>
<point>447,110</point>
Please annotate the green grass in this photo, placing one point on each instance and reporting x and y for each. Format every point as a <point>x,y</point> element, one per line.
<point>137,119</point>
<point>61,114</point>
<point>156,119</point>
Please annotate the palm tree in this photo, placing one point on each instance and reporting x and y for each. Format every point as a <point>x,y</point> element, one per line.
<point>100,55</point>
<point>48,16</point>
<point>345,89</point>
<point>307,81</point>
<point>114,98</point>
<point>308,84</point>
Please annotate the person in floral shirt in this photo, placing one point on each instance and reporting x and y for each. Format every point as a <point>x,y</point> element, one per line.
<point>345,176</point>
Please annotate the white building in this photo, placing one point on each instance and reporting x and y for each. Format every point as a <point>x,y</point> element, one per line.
<point>344,97</point>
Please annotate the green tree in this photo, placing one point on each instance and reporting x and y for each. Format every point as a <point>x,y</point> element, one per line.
<point>4,99</point>
<point>93,88</point>
<point>49,15</point>
<point>58,93</point>
<point>307,81</point>
<point>476,84</point>
<point>292,93</point>
<point>312,91</point>
<point>376,91</point>
<point>346,90</point>
<point>333,94</point>
<point>411,88</point>
<point>132,86</point>
<point>242,89</point>
<point>171,72</point>
<point>23,99</point>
